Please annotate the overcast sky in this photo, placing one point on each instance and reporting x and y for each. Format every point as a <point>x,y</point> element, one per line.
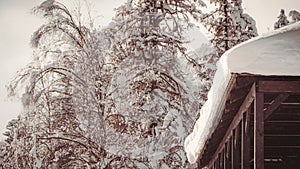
<point>17,25</point>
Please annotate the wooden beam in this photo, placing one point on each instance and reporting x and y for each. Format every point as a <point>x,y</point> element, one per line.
<point>279,86</point>
<point>282,128</point>
<point>236,120</point>
<point>282,141</point>
<point>218,163</point>
<point>227,155</point>
<point>247,101</point>
<point>275,104</point>
<point>237,94</point>
<point>233,138</point>
<point>222,159</point>
<point>244,81</point>
<point>281,151</point>
<point>246,141</point>
<point>259,131</point>
<point>221,107</point>
<point>282,147</point>
<point>237,147</point>
<point>230,152</point>
<point>233,106</point>
<point>286,115</point>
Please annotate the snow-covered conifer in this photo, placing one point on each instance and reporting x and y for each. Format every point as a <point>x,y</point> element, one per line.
<point>282,20</point>
<point>295,15</point>
<point>16,146</point>
<point>2,152</point>
<point>229,25</point>
<point>154,103</point>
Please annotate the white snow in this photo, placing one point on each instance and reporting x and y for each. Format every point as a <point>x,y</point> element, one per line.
<point>275,53</point>
<point>47,4</point>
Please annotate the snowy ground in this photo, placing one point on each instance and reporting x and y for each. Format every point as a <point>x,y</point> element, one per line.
<point>275,53</point>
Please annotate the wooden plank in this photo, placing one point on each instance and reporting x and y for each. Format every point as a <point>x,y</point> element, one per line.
<point>237,94</point>
<point>275,104</point>
<point>245,152</point>
<point>237,147</point>
<point>259,131</point>
<point>230,152</point>
<point>227,162</point>
<point>243,142</point>
<point>218,163</point>
<point>281,151</point>
<point>204,162</point>
<point>244,81</point>
<point>279,86</point>
<point>285,115</point>
<point>282,128</point>
<point>232,149</point>
<point>282,140</point>
<point>222,159</point>
<point>247,101</point>
<point>233,107</point>
<point>245,105</point>
<point>238,117</point>
<point>293,99</point>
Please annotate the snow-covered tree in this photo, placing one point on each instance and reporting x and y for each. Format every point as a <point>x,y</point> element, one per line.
<point>154,103</point>
<point>143,24</point>
<point>229,25</point>
<point>282,20</point>
<point>207,57</point>
<point>295,15</point>
<point>7,159</point>
<point>122,97</point>
<point>2,152</point>
<point>51,115</point>
<point>15,145</point>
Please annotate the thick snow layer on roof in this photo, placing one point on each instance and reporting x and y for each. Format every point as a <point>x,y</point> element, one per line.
<point>275,53</point>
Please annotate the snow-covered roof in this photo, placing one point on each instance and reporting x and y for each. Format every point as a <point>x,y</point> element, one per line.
<point>276,53</point>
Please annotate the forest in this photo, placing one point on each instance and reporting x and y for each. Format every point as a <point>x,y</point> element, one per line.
<point>121,96</point>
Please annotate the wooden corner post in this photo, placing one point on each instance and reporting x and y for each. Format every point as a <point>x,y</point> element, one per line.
<point>259,131</point>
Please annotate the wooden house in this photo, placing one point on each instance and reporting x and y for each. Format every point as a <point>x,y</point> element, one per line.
<point>254,118</point>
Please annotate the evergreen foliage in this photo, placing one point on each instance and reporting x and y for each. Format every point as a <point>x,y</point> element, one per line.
<point>229,25</point>
<point>282,20</point>
<point>295,15</point>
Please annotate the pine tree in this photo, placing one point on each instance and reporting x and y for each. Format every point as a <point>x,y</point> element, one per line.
<point>229,25</point>
<point>153,107</point>
<point>282,20</point>
<point>16,149</point>
<point>7,158</point>
<point>295,15</point>
<point>2,152</point>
